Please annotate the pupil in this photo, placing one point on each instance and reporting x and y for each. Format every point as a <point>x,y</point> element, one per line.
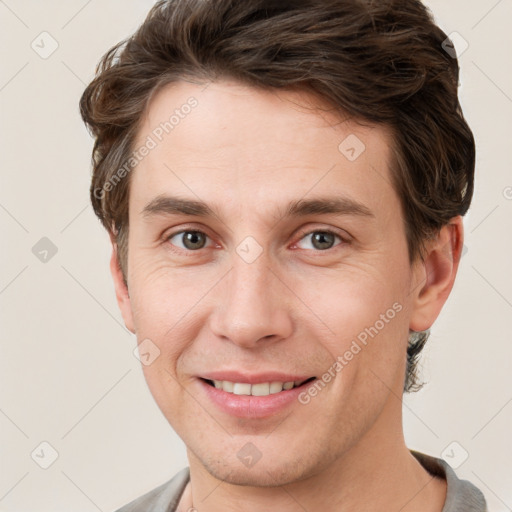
<point>193,240</point>
<point>323,240</point>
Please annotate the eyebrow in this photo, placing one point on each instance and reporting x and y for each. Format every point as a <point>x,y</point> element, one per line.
<point>339,205</point>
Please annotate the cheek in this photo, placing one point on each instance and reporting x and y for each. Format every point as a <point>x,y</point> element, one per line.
<point>160,294</point>
<point>351,298</point>
<point>168,306</point>
<point>367,319</point>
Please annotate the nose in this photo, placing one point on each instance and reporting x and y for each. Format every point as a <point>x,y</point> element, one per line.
<point>252,305</point>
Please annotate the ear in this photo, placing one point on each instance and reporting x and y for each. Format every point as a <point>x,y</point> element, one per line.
<point>435,275</point>
<point>121,288</point>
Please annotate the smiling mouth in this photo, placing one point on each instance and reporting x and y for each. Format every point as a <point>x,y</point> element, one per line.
<point>260,389</point>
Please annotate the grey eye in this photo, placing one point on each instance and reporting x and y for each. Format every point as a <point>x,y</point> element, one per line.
<point>320,240</point>
<point>191,240</point>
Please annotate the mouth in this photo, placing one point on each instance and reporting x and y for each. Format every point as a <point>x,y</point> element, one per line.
<point>258,389</point>
<point>253,396</point>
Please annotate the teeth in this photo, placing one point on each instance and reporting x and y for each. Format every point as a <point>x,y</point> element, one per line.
<point>228,386</point>
<point>242,389</point>
<point>260,389</point>
<point>275,387</point>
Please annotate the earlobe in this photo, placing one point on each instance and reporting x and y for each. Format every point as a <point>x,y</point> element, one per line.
<point>436,274</point>
<point>121,288</point>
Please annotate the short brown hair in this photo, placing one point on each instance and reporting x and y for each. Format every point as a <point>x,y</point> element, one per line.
<point>381,62</point>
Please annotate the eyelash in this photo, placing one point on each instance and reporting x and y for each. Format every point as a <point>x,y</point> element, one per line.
<point>302,235</point>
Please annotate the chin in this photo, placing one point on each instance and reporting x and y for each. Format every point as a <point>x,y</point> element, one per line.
<point>252,477</point>
<point>262,474</point>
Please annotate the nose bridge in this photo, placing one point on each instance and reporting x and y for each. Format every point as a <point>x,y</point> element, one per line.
<point>250,281</point>
<point>251,307</point>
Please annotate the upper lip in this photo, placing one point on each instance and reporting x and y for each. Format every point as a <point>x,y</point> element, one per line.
<point>255,378</point>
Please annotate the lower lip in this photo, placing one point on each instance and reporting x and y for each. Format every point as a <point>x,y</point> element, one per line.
<point>248,406</point>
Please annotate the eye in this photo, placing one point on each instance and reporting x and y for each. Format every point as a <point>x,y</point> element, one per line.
<point>193,240</point>
<point>189,240</point>
<point>320,240</point>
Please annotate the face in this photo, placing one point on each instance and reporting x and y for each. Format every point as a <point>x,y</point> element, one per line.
<point>267,245</point>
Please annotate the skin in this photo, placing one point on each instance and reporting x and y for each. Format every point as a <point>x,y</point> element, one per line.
<point>247,153</point>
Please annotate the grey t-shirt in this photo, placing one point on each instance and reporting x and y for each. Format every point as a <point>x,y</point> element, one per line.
<point>461,495</point>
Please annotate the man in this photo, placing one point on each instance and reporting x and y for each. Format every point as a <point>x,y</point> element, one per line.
<point>284,185</point>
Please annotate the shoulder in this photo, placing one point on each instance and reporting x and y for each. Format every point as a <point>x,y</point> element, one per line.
<point>163,498</point>
<point>461,495</point>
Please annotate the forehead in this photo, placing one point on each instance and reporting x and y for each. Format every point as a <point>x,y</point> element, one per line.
<point>240,144</point>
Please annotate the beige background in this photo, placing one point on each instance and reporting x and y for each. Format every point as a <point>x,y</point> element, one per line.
<point>68,374</point>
